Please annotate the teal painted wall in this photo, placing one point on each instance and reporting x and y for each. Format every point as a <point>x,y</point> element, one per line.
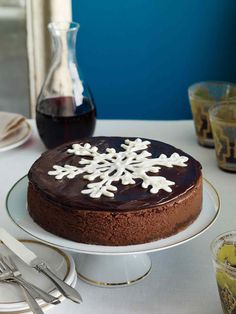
<point>140,56</point>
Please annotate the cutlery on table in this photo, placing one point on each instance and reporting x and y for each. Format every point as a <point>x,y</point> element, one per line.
<point>35,291</point>
<point>6,276</point>
<point>40,265</point>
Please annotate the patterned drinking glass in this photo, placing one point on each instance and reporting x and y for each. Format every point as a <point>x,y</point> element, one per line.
<point>223,123</point>
<point>223,250</point>
<point>202,96</point>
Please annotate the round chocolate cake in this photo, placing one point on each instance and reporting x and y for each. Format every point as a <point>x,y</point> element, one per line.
<point>115,191</point>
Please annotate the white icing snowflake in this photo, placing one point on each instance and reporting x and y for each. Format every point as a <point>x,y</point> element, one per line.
<point>125,166</point>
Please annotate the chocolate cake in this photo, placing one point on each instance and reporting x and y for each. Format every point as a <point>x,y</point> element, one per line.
<point>115,191</point>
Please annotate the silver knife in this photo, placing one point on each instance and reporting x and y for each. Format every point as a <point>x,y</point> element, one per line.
<point>40,265</point>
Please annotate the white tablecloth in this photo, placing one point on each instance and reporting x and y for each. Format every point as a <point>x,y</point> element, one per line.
<point>182,279</point>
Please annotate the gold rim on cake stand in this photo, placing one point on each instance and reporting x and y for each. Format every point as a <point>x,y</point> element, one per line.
<point>110,284</point>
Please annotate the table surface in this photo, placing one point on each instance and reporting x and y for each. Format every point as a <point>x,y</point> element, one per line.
<point>182,279</point>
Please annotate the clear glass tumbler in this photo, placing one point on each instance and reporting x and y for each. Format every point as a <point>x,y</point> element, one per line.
<point>223,124</point>
<point>223,250</point>
<point>201,97</point>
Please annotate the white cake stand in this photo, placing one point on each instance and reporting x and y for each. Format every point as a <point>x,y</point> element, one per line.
<point>110,265</point>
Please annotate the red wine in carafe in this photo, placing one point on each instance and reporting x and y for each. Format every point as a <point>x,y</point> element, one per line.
<point>60,120</point>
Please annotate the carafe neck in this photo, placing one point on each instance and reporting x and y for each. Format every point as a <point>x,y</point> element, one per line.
<point>63,42</point>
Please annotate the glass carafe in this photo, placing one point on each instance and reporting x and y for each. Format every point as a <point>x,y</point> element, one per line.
<point>65,108</point>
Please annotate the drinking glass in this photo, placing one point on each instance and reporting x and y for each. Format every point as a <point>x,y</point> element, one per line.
<point>202,96</point>
<point>223,250</point>
<point>223,124</point>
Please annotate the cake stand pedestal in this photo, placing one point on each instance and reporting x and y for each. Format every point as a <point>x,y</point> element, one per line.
<point>110,266</point>
<point>113,270</point>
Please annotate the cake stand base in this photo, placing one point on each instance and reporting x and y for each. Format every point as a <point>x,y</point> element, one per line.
<point>113,270</point>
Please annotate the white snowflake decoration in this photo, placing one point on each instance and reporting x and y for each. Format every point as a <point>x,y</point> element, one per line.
<point>125,166</point>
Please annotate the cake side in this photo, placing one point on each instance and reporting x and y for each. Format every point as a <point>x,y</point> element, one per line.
<point>117,228</point>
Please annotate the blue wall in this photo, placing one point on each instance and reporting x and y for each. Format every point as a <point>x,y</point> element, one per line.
<point>139,56</point>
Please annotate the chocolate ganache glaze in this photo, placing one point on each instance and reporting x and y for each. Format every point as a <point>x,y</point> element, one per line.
<point>67,192</point>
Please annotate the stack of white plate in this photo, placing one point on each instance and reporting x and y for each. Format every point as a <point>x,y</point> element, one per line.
<point>17,138</point>
<point>12,297</point>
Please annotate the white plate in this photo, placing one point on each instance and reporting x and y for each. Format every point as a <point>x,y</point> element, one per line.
<point>17,140</point>
<point>16,207</point>
<point>11,296</point>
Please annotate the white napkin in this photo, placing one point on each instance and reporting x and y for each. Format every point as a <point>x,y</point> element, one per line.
<point>10,124</point>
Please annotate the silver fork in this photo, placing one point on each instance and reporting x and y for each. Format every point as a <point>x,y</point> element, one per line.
<point>6,276</point>
<point>35,291</point>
